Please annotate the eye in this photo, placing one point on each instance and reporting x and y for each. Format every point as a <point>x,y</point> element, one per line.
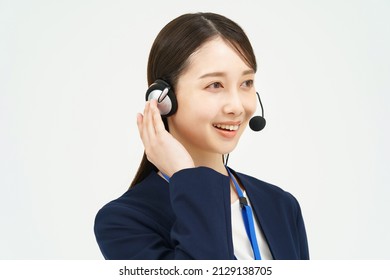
<point>247,83</point>
<point>214,85</point>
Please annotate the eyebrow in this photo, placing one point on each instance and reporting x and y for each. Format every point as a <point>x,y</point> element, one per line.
<point>221,74</point>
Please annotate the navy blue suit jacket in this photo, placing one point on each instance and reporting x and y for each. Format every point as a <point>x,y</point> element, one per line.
<point>190,218</point>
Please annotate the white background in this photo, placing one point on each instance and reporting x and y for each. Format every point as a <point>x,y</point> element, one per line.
<point>73,77</point>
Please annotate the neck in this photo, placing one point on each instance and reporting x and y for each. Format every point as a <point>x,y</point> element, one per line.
<point>211,160</point>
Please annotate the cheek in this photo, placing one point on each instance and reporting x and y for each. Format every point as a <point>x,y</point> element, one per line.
<point>196,108</point>
<point>250,106</point>
<point>194,114</point>
<point>190,116</point>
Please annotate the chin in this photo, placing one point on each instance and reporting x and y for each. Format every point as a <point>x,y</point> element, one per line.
<point>227,148</point>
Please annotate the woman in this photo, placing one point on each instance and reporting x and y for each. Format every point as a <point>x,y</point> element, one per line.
<point>184,202</point>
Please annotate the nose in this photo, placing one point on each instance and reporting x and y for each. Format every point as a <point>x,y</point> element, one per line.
<point>233,104</point>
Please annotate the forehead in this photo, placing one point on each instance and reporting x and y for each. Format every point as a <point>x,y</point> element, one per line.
<point>216,55</point>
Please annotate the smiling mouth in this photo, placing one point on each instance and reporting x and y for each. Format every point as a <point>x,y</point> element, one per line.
<point>226,127</point>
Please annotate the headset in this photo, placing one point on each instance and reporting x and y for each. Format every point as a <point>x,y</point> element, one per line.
<point>167,103</point>
<point>166,98</point>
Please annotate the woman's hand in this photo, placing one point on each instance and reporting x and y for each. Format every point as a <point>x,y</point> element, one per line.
<point>161,148</point>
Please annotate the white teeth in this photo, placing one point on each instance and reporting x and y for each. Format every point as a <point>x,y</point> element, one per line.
<point>227,127</point>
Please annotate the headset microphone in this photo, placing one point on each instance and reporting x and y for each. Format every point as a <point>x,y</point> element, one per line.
<point>257,123</point>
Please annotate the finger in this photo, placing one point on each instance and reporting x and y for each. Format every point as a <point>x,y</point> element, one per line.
<point>139,123</point>
<point>149,126</point>
<point>144,131</point>
<point>157,120</point>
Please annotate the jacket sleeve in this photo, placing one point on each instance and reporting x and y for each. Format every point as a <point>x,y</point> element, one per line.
<point>303,244</point>
<point>200,200</point>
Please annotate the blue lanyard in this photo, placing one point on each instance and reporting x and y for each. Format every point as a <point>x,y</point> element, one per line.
<point>246,215</point>
<point>165,176</point>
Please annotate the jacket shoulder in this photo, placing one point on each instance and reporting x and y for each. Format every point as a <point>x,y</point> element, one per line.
<point>145,205</point>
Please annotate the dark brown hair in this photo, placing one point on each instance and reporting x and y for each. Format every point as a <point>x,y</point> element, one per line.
<point>175,43</point>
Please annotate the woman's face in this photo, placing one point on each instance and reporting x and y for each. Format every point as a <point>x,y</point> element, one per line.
<point>216,99</point>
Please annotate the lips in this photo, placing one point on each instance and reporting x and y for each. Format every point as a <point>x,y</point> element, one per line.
<point>228,130</point>
<point>229,127</point>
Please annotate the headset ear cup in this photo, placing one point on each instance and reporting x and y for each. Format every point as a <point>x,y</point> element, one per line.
<point>168,105</point>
